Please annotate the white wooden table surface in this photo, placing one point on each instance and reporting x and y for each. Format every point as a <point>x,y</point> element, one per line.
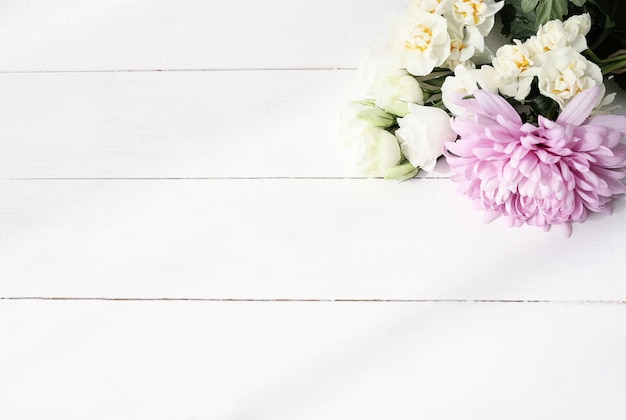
<point>183,236</point>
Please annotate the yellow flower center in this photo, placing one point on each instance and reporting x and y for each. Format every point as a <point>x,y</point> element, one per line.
<point>419,38</point>
<point>522,63</point>
<point>470,10</point>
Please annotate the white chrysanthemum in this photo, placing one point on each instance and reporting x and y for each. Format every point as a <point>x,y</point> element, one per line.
<point>477,13</point>
<point>515,70</point>
<point>422,42</point>
<point>566,73</point>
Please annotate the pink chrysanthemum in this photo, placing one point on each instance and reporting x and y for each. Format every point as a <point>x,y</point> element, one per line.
<point>553,174</point>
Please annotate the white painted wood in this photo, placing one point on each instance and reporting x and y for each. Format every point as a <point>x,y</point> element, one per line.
<point>61,35</point>
<point>297,239</point>
<point>334,361</point>
<point>189,124</point>
<point>177,124</point>
<point>182,124</point>
<point>237,239</point>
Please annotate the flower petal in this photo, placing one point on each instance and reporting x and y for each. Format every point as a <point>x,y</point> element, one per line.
<point>579,108</point>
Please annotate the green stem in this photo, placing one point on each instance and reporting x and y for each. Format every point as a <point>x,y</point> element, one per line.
<point>608,65</point>
<point>589,52</point>
<point>618,65</point>
<point>606,31</point>
<point>621,57</point>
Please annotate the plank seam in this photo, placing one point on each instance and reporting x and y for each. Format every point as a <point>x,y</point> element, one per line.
<point>181,70</point>
<point>295,300</point>
<point>200,178</point>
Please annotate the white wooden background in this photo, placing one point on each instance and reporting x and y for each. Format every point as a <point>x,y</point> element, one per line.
<point>183,236</point>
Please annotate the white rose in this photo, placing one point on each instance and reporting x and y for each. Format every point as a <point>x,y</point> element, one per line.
<point>422,42</point>
<point>566,73</point>
<point>395,90</point>
<point>377,150</point>
<point>477,13</point>
<point>422,135</point>
<point>465,82</point>
<point>515,70</point>
<point>375,65</point>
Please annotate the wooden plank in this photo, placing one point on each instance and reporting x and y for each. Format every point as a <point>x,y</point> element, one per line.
<point>189,124</point>
<point>70,35</point>
<point>293,239</point>
<point>242,360</point>
<point>198,124</point>
<point>177,125</point>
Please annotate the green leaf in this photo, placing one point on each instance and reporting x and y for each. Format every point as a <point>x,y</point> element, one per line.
<point>365,102</point>
<point>548,10</point>
<point>529,5</point>
<point>517,23</point>
<point>578,3</point>
<point>401,172</point>
<point>376,117</point>
<point>542,105</point>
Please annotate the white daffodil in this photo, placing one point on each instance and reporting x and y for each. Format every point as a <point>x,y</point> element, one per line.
<point>422,134</point>
<point>558,34</point>
<point>565,73</point>
<point>477,13</point>
<point>515,70</point>
<point>437,7</point>
<point>465,82</point>
<point>576,28</point>
<point>422,42</point>
<point>465,42</point>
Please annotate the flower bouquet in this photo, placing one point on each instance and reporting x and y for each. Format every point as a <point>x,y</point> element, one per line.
<point>527,129</point>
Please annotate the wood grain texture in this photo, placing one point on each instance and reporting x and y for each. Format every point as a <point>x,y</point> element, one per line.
<point>234,360</point>
<point>88,35</point>
<point>189,124</point>
<point>176,124</point>
<point>296,239</point>
<point>182,236</point>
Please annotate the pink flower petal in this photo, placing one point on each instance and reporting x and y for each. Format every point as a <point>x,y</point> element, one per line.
<point>555,173</point>
<point>579,108</point>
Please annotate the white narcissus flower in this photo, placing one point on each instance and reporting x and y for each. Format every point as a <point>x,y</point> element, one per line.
<point>465,82</point>
<point>437,7</point>
<point>566,73</point>
<point>550,36</point>
<point>396,90</point>
<point>557,34</point>
<point>515,70</point>
<point>465,42</point>
<point>377,150</point>
<point>477,13</point>
<point>422,135</point>
<point>576,28</point>
<point>422,42</point>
